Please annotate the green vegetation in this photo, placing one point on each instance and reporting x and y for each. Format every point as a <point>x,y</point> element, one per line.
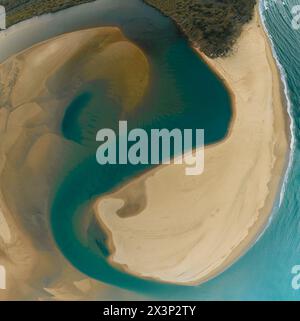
<point>212,25</point>
<point>19,10</point>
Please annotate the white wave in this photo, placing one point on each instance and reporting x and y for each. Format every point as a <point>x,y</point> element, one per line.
<point>289,110</point>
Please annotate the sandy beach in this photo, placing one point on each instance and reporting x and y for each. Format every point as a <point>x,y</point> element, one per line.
<point>187,229</point>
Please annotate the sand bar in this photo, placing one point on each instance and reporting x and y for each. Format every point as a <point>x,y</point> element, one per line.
<point>33,153</point>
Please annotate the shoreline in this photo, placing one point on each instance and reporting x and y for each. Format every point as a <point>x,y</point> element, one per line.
<point>272,199</point>
<point>275,184</point>
<point>290,123</point>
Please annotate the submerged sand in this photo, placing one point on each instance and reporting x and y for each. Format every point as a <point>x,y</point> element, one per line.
<point>36,87</point>
<point>186,229</point>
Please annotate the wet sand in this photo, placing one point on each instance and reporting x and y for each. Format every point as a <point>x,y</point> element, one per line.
<point>34,154</point>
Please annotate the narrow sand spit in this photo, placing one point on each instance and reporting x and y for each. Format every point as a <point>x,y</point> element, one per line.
<point>187,229</point>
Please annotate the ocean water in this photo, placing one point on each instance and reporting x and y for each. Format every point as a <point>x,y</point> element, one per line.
<point>264,272</point>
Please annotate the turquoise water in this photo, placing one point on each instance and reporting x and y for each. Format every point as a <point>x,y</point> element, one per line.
<point>183,93</point>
